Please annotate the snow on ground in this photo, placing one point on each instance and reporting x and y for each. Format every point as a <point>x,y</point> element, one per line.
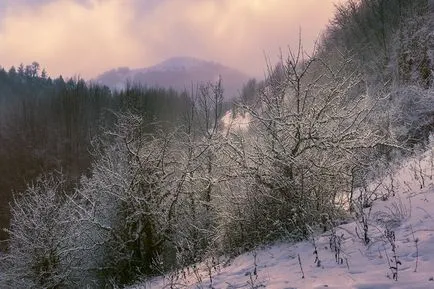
<point>409,215</point>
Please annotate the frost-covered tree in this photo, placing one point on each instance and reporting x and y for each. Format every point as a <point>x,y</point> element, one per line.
<point>42,242</point>
<point>148,205</point>
<point>199,142</point>
<point>125,206</point>
<point>303,142</point>
<point>412,118</point>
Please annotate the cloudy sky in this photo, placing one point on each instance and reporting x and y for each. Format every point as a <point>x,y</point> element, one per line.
<point>87,37</point>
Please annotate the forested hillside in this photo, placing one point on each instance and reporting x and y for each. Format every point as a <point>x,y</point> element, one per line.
<point>392,43</point>
<point>391,40</point>
<point>153,181</point>
<point>50,124</point>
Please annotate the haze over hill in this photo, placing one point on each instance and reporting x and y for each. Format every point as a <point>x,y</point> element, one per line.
<point>178,73</point>
<point>96,36</point>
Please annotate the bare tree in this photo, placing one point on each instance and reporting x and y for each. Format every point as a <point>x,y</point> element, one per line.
<point>302,146</point>
<point>201,143</point>
<point>41,245</point>
<point>126,205</point>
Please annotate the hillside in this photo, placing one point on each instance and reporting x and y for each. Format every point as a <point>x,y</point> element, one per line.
<point>339,258</point>
<point>178,73</point>
<point>391,40</point>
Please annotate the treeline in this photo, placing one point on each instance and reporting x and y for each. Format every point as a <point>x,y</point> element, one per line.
<point>49,124</point>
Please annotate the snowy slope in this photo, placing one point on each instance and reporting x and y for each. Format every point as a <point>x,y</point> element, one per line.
<point>409,216</point>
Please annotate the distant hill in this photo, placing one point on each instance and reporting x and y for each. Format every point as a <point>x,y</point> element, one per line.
<point>178,73</point>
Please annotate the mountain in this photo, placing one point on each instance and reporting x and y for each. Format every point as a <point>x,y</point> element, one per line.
<point>178,73</point>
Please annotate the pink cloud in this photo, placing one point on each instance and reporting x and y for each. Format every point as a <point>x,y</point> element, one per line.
<point>70,38</point>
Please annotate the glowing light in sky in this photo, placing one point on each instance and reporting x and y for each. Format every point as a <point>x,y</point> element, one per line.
<point>87,37</point>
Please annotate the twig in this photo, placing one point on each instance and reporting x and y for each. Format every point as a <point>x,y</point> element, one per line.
<point>416,242</point>
<point>301,267</point>
<point>317,261</point>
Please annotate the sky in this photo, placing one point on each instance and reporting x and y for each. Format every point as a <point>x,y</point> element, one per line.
<point>87,37</point>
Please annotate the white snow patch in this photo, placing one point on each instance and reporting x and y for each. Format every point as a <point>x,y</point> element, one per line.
<point>239,122</point>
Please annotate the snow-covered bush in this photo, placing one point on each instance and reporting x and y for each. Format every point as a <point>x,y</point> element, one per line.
<point>302,146</point>
<point>147,206</point>
<point>124,206</point>
<point>413,115</point>
<point>42,241</point>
